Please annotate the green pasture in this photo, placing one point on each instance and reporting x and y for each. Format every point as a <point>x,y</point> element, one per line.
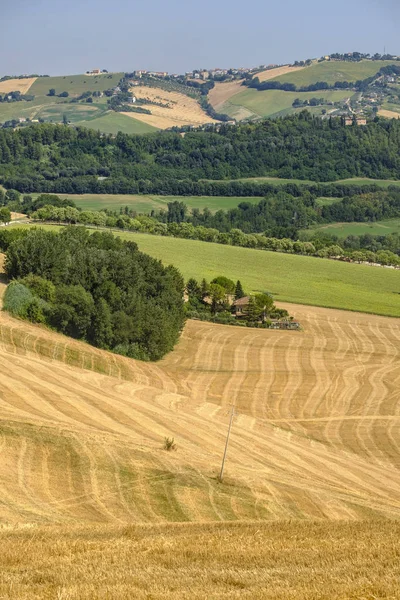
<point>332,71</point>
<point>342,230</point>
<point>327,201</point>
<point>113,122</point>
<point>272,102</point>
<point>73,112</point>
<point>384,183</point>
<point>290,278</point>
<point>75,85</point>
<point>147,203</point>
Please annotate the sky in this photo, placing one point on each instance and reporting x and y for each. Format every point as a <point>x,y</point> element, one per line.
<point>57,37</point>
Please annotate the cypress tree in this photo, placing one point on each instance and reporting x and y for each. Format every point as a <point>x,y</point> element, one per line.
<point>239,293</point>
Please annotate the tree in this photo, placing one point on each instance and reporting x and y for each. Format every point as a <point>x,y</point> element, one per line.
<point>264,304</point>
<point>12,196</point>
<point>5,215</point>
<point>101,333</point>
<point>205,288</point>
<point>224,282</point>
<point>217,295</point>
<point>193,289</point>
<point>63,95</point>
<point>52,92</point>
<point>65,119</point>
<point>252,311</point>
<point>239,293</point>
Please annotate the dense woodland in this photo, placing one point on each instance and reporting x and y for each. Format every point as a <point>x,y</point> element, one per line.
<point>95,288</point>
<point>50,158</point>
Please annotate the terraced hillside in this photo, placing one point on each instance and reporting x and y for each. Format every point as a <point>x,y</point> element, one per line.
<point>315,436</point>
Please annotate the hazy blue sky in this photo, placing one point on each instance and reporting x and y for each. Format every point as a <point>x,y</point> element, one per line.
<point>72,36</point>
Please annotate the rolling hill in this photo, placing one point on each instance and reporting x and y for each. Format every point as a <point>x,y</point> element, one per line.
<point>53,108</point>
<point>91,505</point>
<point>332,71</point>
<point>315,435</point>
<point>242,103</point>
<point>253,104</point>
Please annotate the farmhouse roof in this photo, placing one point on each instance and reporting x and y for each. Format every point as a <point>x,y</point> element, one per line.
<point>242,301</point>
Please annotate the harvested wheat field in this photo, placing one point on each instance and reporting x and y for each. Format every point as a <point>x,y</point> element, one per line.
<point>178,109</point>
<point>315,436</point>
<point>17,85</point>
<point>388,114</point>
<point>221,92</point>
<point>277,72</point>
<point>92,506</point>
<point>273,561</point>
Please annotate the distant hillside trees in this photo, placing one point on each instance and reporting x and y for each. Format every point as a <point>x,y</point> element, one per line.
<point>57,159</point>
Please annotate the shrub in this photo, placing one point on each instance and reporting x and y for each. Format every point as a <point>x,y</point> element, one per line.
<point>17,298</point>
<point>169,444</point>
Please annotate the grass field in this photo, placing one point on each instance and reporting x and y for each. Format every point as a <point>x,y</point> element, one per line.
<point>290,278</point>
<point>377,228</point>
<point>274,561</point>
<point>355,181</point>
<point>274,102</point>
<point>75,85</point>
<point>147,203</point>
<point>332,71</point>
<point>113,122</point>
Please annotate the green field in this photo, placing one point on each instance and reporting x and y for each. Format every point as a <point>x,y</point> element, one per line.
<point>344,229</point>
<point>384,183</point>
<point>327,201</point>
<point>113,122</point>
<point>332,71</point>
<point>75,85</point>
<point>298,279</point>
<point>273,102</point>
<point>290,278</point>
<point>147,203</point>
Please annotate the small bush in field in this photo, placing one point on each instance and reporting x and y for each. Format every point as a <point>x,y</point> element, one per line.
<point>169,444</point>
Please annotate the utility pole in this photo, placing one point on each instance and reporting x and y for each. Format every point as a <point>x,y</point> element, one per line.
<point>226,444</point>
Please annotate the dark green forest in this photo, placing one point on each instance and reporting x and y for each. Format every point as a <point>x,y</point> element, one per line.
<point>51,158</point>
<point>95,288</point>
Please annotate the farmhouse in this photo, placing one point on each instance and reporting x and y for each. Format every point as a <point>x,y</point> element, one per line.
<point>239,308</point>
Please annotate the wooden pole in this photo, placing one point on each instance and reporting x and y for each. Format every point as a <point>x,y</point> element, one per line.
<point>226,444</point>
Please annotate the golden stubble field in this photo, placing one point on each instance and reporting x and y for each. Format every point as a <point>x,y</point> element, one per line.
<point>180,109</point>
<point>315,436</point>
<point>17,85</point>
<point>92,507</point>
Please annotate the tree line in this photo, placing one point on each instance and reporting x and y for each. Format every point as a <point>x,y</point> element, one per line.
<point>324,248</point>
<point>59,159</point>
<point>96,288</point>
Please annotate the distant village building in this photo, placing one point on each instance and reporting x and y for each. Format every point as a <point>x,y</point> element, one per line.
<point>358,121</point>
<point>93,72</point>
